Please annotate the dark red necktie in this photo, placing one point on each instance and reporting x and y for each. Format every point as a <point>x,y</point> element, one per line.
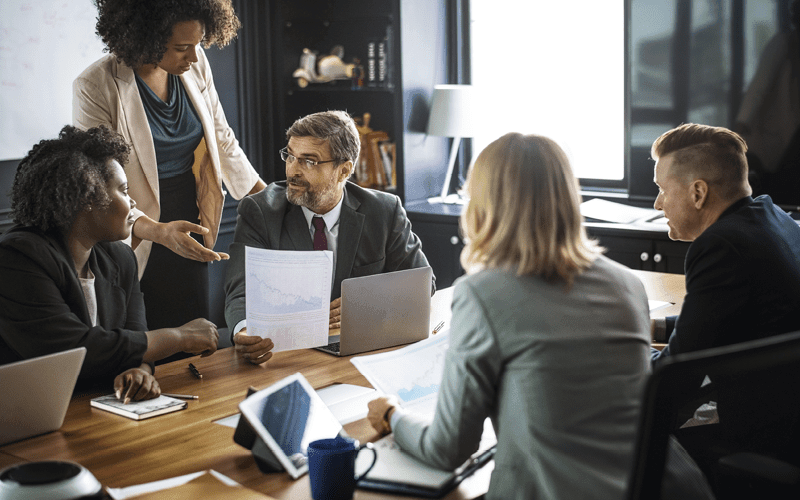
<point>320,240</point>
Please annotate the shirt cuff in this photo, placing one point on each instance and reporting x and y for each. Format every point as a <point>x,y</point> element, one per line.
<point>397,414</point>
<point>240,326</point>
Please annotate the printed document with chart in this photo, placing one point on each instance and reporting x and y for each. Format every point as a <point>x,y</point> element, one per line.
<point>288,296</point>
<point>412,374</point>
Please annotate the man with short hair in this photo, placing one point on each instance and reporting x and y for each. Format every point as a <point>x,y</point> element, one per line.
<point>367,230</point>
<point>742,283</point>
<point>743,266</point>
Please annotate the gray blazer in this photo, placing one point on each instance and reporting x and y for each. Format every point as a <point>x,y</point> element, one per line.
<point>374,237</point>
<point>560,372</point>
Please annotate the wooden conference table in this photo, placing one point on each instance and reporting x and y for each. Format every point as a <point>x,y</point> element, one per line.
<point>122,452</point>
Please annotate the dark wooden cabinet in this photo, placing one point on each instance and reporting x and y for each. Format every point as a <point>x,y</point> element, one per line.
<point>630,245</point>
<point>437,228</point>
<point>637,248</point>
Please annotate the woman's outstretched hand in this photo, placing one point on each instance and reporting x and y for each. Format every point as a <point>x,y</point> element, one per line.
<point>176,236</point>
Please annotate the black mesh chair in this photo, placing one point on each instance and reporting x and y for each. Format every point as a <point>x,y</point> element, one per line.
<point>754,448</point>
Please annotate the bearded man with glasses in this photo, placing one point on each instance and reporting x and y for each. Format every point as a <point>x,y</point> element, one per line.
<point>317,208</point>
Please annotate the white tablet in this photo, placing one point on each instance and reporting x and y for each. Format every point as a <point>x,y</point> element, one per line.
<point>287,416</point>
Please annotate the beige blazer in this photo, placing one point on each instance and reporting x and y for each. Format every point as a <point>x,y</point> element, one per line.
<point>106,94</point>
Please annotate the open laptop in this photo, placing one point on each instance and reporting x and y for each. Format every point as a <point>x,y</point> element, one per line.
<point>35,393</point>
<point>383,310</point>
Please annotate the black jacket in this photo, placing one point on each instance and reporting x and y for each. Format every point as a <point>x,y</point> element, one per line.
<point>742,279</point>
<point>43,309</point>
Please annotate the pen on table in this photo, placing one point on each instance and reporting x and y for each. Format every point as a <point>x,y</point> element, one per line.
<point>180,396</point>
<point>195,371</point>
<point>438,327</point>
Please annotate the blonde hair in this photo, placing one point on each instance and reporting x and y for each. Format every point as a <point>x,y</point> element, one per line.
<point>524,211</point>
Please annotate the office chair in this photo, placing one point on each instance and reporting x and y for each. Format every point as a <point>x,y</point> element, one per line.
<point>759,410</point>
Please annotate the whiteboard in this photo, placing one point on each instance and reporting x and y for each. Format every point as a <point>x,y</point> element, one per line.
<point>44,46</point>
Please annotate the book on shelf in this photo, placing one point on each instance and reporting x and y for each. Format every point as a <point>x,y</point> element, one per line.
<point>138,410</point>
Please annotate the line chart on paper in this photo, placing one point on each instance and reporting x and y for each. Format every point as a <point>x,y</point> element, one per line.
<point>413,374</point>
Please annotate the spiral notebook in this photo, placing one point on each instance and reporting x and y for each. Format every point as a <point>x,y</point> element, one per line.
<point>139,410</point>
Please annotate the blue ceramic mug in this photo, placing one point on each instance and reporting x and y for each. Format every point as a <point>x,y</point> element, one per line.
<point>331,467</point>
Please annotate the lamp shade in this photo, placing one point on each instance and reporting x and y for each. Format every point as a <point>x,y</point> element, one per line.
<point>452,113</point>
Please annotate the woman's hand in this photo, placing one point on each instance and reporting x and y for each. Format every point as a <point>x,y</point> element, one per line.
<point>175,236</point>
<point>380,413</point>
<point>136,384</point>
<point>199,336</point>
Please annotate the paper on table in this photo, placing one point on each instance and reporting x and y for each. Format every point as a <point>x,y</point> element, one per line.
<point>600,209</point>
<point>347,402</point>
<point>412,374</point>
<point>288,296</point>
<point>658,304</point>
<point>230,421</point>
<point>141,489</point>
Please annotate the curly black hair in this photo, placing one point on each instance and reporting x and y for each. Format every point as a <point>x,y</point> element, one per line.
<point>59,178</point>
<point>137,31</point>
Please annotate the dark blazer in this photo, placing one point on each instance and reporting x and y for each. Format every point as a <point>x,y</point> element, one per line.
<point>43,310</point>
<point>742,283</point>
<point>742,279</point>
<point>374,237</point>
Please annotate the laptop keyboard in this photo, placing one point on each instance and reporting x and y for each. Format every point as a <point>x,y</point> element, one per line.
<point>332,347</point>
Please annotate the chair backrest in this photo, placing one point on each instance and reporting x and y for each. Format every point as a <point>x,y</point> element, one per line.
<point>751,374</point>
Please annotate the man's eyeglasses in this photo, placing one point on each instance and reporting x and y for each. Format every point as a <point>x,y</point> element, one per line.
<point>290,158</point>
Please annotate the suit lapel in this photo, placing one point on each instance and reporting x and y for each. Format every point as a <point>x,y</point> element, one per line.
<point>136,124</point>
<point>297,228</point>
<point>191,85</point>
<point>351,222</point>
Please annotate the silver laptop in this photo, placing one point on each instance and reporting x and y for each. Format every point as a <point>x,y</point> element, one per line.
<point>383,310</point>
<point>35,393</point>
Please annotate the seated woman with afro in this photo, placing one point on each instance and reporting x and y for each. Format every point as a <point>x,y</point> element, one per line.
<point>66,278</point>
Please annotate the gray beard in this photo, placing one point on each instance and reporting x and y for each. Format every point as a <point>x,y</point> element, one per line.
<point>312,201</point>
<point>303,200</point>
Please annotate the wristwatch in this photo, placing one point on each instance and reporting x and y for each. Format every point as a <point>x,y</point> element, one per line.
<point>387,426</point>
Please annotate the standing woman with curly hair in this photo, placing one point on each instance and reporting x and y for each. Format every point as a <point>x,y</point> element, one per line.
<point>66,279</point>
<point>156,89</point>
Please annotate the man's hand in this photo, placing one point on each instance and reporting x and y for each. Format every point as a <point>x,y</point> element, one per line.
<point>175,236</point>
<point>335,320</point>
<point>254,349</point>
<point>136,384</point>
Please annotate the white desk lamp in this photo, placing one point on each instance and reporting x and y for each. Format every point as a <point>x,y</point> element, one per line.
<point>452,115</point>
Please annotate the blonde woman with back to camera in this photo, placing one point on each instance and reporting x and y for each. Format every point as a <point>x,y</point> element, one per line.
<point>549,339</point>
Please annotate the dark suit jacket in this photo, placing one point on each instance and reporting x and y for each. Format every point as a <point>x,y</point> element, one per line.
<point>742,279</point>
<point>743,283</point>
<point>43,310</point>
<point>374,237</point>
